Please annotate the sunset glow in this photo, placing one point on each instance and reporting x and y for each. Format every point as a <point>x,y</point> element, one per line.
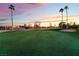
<point>45,13</point>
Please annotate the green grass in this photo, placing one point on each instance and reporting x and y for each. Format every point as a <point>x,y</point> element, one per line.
<point>39,43</point>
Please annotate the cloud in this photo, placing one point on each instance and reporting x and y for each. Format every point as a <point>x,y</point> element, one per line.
<point>3,11</point>
<point>52,18</point>
<point>27,7</point>
<point>3,19</point>
<point>19,7</point>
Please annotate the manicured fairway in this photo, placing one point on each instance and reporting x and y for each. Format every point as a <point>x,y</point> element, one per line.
<point>39,43</point>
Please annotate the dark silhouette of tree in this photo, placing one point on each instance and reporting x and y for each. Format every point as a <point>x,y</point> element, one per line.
<point>61,10</point>
<point>62,25</point>
<point>12,8</point>
<point>66,8</point>
<point>37,24</point>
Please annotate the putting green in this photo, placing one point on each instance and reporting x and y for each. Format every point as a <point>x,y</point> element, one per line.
<point>39,43</point>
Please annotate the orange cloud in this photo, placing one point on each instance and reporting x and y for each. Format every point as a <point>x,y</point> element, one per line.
<point>55,17</point>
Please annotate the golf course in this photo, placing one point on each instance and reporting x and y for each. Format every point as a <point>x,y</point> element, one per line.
<point>39,43</point>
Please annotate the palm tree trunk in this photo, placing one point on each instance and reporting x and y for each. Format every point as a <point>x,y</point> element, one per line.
<point>12,18</point>
<point>66,15</point>
<point>62,16</point>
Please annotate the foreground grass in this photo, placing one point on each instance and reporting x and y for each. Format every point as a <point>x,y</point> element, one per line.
<point>39,43</point>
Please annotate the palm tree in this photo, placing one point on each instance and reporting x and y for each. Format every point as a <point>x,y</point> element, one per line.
<point>11,7</point>
<point>61,10</point>
<point>66,8</point>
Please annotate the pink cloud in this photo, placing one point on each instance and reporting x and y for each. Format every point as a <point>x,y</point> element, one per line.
<point>30,5</point>
<point>3,19</point>
<point>3,11</point>
<point>20,7</point>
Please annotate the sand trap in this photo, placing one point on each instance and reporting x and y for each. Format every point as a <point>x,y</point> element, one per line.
<point>68,30</point>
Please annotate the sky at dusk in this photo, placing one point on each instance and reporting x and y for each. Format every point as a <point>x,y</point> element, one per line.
<point>31,12</point>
